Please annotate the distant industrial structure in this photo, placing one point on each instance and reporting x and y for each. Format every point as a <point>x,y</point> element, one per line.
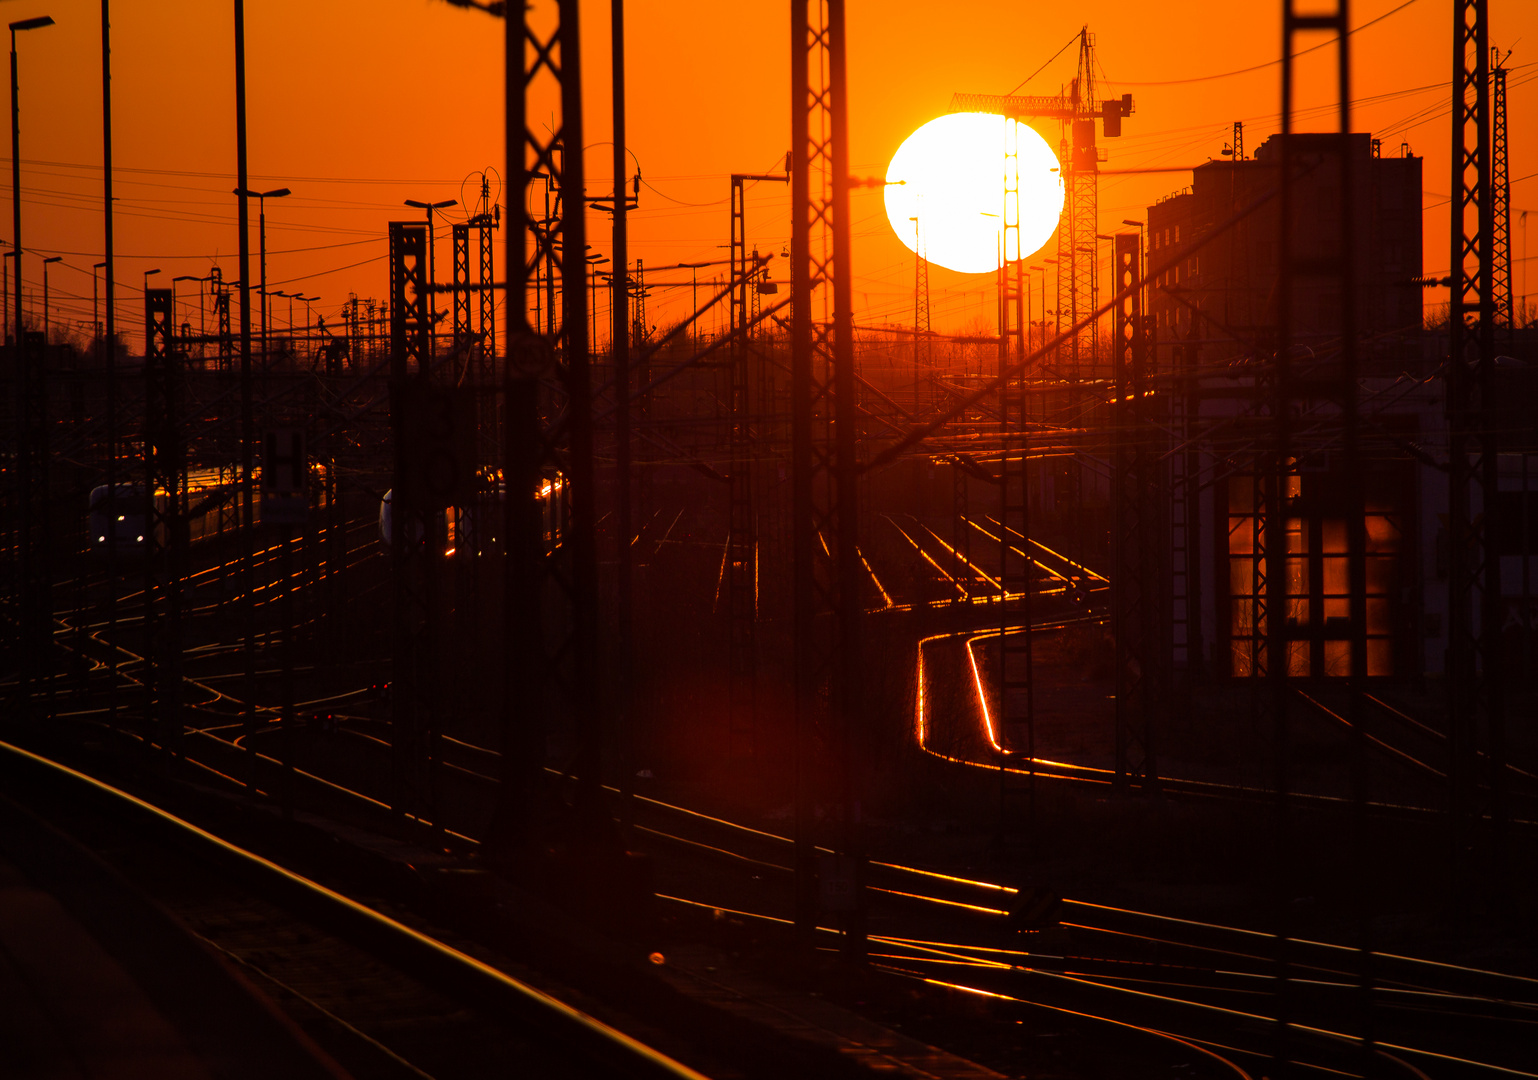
<point>1222,302</point>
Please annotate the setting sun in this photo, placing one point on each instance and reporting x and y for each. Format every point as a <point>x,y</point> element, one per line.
<point>945,190</point>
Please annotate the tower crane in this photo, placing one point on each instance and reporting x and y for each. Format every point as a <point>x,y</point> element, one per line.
<point>1077,109</point>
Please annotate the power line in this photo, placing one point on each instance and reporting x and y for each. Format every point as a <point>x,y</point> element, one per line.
<point>1268,63</point>
<point>1043,67</point>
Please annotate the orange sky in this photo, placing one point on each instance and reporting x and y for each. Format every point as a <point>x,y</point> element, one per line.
<point>358,105</point>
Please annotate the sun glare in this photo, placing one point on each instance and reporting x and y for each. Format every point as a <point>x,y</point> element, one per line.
<point>950,205</point>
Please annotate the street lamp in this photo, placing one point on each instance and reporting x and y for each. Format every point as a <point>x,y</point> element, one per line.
<point>309,320</point>
<point>593,263</point>
<point>16,27</point>
<point>261,198</point>
<point>147,275</point>
<point>50,259</point>
<point>36,583</point>
<point>432,306</point>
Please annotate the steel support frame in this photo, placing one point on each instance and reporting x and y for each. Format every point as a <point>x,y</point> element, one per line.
<point>824,470</point>
<point>551,629</point>
<point>413,539</point>
<point>462,335</point>
<point>1139,534</point>
<point>742,532</point>
<point>165,540</point>
<point>1500,203</point>
<point>1331,265</point>
<point>1474,677</point>
<point>742,528</point>
<point>1014,691</point>
<point>487,316</point>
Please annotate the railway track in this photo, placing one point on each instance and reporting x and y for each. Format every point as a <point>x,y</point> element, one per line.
<point>1211,987</point>
<point>383,999</point>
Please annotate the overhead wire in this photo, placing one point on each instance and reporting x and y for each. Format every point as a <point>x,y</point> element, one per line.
<point>1268,63</point>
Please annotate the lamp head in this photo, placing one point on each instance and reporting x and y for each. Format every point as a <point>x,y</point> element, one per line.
<point>32,24</point>
<point>150,273</point>
<point>52,259</point>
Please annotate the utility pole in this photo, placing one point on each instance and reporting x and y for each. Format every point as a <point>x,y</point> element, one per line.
<point>620,350</point>
<point>247,415</point>
<point>106,338</point>
<point>32,431</point>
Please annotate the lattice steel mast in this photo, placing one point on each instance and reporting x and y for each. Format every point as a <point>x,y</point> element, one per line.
<point>1475,700</point>
<point>548,437</point>
<point>824,504</point>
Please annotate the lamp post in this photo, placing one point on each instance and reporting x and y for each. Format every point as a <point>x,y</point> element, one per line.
<point>261,198</point>
<point>37,602</point>
<point>432,246</point>
<point>50,259</point>
<point>16,27</point>
<point>593,263</point>
<point>309,322</point>
<point>147,275</point>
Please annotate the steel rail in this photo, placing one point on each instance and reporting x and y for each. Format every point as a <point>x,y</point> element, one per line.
<point>471,979</point>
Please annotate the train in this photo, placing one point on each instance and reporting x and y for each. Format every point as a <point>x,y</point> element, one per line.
<point>116,514</point>
<point>474,528</point>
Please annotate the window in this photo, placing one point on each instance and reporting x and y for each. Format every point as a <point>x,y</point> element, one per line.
<point>1317,610</point>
